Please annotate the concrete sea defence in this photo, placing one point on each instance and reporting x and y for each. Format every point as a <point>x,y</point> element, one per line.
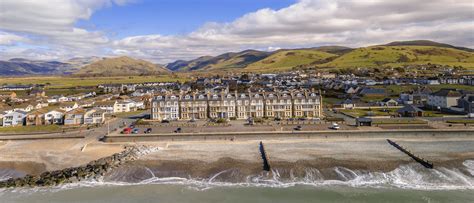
<point>93,170</point>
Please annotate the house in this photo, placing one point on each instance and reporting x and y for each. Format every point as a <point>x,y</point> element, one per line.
<point>467,103</point>
<point>222,106</point>
<point>36,117</point>
<point>37,93</point>
<point>23,107</point>
<point>107,106</point>
<point>352,90</point>
<point>124,106</point>
<point>55,116</point>
<point>16,87</point>
<point>165,107</point>
<point>74,117</point>
<point>193,106</point>
<point>388,102</point>
<point>14,118</point>
<point>4,96</point>
<point>444,98</point>
<point>94,116</point>
<point>346,104</point>
<point>410,111</point>
<point>68,106</point>
<point>40,105</point>
<point>250,105</point>
<point>56,99</point>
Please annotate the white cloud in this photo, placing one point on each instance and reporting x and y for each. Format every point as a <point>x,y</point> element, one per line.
<point>306,23</point>
<point>7,39</point>
<point>52,22</point>
<point>312,22</point>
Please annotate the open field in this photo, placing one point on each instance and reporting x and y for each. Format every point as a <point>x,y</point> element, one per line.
<point>399,121</point>
<point>397,89</point>
<point>461,121</point>
<point>30,129</point>
<point>371,112</point>
<point>59,82</point>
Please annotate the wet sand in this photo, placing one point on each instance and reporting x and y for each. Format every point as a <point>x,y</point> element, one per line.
<point>201,158</point>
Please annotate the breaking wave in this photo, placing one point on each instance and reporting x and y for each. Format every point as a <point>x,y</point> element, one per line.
<point>410,176</point>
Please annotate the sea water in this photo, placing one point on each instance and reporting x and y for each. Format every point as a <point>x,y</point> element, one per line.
<point>407,183</point>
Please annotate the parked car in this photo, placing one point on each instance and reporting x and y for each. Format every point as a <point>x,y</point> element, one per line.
<point>126,131</point>
<point>298,128</point>
<point>335,126</point>
<point>165,121</point>
<point>277,119</point>
<point>135,131</point>
<point>178,130</point>
<point>148,130</point>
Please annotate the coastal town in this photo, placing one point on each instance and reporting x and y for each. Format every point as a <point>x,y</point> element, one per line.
<point>248,99</point>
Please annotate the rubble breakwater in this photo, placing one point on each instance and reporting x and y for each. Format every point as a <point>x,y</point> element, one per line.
<point>93,170</point>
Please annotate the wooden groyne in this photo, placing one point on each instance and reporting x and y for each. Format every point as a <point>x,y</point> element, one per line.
<point>420,160</point>
<point>266,165</point>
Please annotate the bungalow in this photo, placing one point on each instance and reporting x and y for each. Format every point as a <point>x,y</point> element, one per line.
<point>54,117</point>
<point>14,118</point>
<point>388,102</point>
<point>94,116</point>
<point>68,106</point>
<point>36,117</point>
<point>346,104</point>
<point>410,111</point>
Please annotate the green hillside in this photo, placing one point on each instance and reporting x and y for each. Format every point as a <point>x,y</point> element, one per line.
<point>121,66</point>
<point>397,56</point>
<point>288,59</point>
<point>227,61</point>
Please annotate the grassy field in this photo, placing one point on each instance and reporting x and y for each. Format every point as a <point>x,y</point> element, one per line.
<point>461,121</point>
<point>396,56</point>
<point>31,129</point>
<point>399,121</point>
<point>286,60</point>
<point>59,82</point>
<point>397,89</point>
<point>128,114</point>
<point>371,112</point>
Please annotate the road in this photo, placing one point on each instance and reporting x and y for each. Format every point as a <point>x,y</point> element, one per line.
<point>348,120</point>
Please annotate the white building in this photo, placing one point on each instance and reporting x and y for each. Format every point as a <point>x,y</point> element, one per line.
<point>444,98</point>
<point>14,118</point>
<point>124,106</point>
<point>165,107</point>
<point>54,117</point>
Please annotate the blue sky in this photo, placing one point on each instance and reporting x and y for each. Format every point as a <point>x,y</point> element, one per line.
<point>166,30</point>
<point>168,17</point>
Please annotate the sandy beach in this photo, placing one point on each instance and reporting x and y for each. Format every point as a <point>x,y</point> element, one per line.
<point>202,158</point>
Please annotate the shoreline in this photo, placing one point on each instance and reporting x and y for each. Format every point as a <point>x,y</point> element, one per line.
<point>203,158</point>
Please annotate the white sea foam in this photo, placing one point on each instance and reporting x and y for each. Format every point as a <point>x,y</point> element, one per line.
<point>410,176</point>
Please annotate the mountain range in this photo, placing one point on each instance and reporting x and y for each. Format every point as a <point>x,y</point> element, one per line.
<point>394,54</point>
